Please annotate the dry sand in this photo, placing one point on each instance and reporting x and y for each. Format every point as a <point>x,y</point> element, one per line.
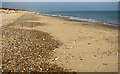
<point>86,47</point>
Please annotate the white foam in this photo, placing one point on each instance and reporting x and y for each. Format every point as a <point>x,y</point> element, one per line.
<point>78,18</point>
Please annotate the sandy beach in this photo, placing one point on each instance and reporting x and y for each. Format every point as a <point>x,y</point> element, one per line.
<point>42,43</point>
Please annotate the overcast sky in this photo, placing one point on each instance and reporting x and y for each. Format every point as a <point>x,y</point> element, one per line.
<point>59,0</point>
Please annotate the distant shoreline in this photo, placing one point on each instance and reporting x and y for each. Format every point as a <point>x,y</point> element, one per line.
<point>80,20</point>
<point>101,24</point>
<point>13,9</point>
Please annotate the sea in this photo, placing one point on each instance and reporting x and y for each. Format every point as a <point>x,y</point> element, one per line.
<point>97,12</point>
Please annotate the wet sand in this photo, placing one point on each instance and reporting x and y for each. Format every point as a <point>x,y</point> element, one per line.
<point>76,46</point>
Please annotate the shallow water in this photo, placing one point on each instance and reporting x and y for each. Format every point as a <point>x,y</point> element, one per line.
<point>105,17</point>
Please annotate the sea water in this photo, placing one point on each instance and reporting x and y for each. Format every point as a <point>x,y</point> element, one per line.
<point>99,12</point>
<point>105,17</point>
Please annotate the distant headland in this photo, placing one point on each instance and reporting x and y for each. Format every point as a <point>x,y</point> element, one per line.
<point>10,10</point>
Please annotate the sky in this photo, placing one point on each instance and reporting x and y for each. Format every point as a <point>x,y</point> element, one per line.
<point>63,6</point>
<point>59,0</point>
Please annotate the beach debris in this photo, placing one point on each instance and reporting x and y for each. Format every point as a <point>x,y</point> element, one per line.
<point>110,52</point>
<point>89,43</point>
<point>104,64</point>
<point>116,53</point>
<point>64,52</point>
<point>57,58</point>
<point>94,55</point>
<point>98,67</point>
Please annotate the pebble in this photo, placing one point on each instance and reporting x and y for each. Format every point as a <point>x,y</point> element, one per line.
<point>81,59</point>
<point>39,55</point>
<point>74,42</point>
<point>102,56</point>
<point>101,35</point>
<point>40,68</point>
<point>72,56</point>
<point>69,47</point>
<point>43,39</point>
<point>56,58</point>
<point>94,55</point>
<point>15,47</point>
<point>3,36</point>
<point>53,50</point>
<point>116,54</point>
<point>89,43</point>
<point>26,42</point>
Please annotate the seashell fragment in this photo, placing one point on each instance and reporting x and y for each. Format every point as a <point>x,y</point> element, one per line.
<point>56,58</point>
